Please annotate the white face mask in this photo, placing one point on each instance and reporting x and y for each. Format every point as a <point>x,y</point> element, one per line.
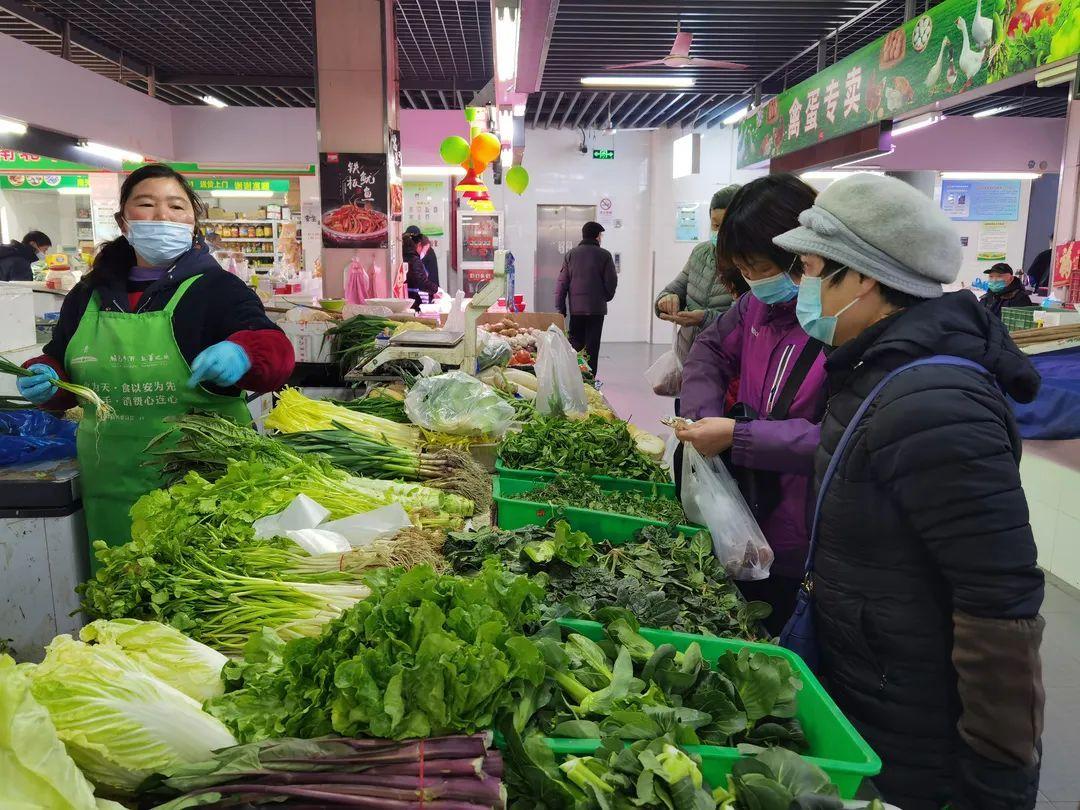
<point>41,255</point>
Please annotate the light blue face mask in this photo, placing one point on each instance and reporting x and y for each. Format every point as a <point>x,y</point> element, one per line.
<point>159,242</point>
<point>997,286</point>
<point>773,290</point>
<point>808,310</point>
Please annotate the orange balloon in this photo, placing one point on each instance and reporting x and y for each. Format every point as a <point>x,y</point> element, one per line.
<point>479,167</point>
<point>485,147</point>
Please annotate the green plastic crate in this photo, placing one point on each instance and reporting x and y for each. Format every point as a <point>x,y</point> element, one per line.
<point>666,489</point>
<point>513,514</point>
<point>1016,319</point>
<point>835,746</point>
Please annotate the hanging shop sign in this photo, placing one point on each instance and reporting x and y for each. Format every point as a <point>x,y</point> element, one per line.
<point>955,46</point>
<point>425,206</point>
<point>13,161</point>
<point>354,193</point>
<point>278,186</point>
<point>980,200</point>
<point>44,181</point>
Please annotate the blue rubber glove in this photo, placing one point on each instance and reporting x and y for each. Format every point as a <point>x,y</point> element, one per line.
<point>222,364</point>
<point>39,388</point>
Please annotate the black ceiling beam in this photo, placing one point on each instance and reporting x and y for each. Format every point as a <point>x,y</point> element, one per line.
<point>76,36</point>
<point>230,80</point>
<point>471,85</point>
<point>554,109</point>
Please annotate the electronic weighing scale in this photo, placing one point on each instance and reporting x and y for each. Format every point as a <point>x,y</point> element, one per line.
<point>448,348</point>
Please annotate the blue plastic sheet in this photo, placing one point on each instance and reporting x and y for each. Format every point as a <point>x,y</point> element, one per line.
<point>28,436</point>
<point>1055,412</point>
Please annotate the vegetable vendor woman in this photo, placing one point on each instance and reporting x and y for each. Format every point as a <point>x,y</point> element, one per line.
<point>157,329</point>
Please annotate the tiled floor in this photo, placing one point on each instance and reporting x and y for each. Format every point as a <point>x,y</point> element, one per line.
<point>621,368</point>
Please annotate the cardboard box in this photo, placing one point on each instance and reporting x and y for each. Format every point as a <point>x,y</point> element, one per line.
<point>526,320</point>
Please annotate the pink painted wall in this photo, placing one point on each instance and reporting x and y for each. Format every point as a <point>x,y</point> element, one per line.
<point>423,130</point>
<point>979,144</point>
<point>244,135</point>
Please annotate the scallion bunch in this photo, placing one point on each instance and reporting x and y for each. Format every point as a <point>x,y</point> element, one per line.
<point>87,395</point>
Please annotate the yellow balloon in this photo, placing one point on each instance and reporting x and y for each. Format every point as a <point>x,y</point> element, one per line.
<point>485,147</point>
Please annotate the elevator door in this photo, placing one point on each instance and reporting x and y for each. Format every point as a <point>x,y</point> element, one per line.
<point>558,229</point>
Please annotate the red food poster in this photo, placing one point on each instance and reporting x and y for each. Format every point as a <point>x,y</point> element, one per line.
<point>355,195</point>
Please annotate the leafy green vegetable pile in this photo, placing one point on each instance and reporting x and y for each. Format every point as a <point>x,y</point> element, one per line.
<point>590,446</point>
<point>376,405</point>
<point>352,342</point>
<point>458,404</point>
<point>666,580</point>
<point>576,491</point>
<point>627,687</point>
<point>427,654</point>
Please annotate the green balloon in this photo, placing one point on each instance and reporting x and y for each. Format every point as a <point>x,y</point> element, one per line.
<point>454,150</point>
<point>517,179</point>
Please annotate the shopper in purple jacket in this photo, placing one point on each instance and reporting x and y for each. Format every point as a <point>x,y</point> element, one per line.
<point>760,343</point>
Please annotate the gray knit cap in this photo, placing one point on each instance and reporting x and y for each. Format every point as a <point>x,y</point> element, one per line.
<point>883,228</point>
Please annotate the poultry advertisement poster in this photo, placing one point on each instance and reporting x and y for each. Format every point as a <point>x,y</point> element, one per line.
<point>955,46</point>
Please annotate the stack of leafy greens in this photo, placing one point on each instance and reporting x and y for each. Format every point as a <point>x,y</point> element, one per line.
<point>427,654</point>
<point>590,446</point>
<point>449,772</point>
<point>627,687</point>
<point>376,403</point>
<point>665,579</point>
<point>582,493</point>
<point>352,342</point>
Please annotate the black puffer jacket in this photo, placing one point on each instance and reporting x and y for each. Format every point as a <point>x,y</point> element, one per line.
<point>15,261</point>
<point>927,592</point>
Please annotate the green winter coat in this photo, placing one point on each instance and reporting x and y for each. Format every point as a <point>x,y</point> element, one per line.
<point>698,287</point>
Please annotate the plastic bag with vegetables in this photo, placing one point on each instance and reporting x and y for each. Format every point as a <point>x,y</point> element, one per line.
<point>495,350</point>
<point>562,391</point>
<point>460,405</point>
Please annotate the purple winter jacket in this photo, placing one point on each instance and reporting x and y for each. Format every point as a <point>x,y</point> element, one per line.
<point>758,344</point>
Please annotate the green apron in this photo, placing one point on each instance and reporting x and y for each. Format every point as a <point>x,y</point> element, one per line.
<point>135,365</point>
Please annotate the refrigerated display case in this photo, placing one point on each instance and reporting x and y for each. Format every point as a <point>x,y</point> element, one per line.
<point>479,236</point>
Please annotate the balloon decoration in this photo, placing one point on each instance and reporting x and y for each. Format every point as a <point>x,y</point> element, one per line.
<point>475,156</point>
<point>517,179</point>
<point>454,149</point>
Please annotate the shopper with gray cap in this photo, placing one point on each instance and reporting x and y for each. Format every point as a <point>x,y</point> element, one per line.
<point>926,591</point>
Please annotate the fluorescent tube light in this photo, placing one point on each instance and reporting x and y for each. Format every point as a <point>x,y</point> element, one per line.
<point>432,171</point>
<point>737,116</point>
<point>235,192</point>
<point>917,123</point>
<point>993,111</point>
<point>990,175</point>
<point>12,127</point>
<point>104,150</point>
<point>506,41</point>
<point>829,174</point>
<point>71,191</point>
<point>214,101</point>
<point>636,81</point>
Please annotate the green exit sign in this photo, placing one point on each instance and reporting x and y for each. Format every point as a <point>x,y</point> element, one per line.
<point>603,154</point>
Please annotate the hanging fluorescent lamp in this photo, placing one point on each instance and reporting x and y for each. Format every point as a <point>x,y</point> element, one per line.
<point>237,192</point>
<point>214,101</point>
<point>507,24</point>
<point>990,175</point>
<point>738,115</point>
<point>12,127</point>
<point>72,191</point>
<point>111,152</point>
<point>432,171</point>
<point>641,82</point>
<point>917,123</point>
<point>993,111</point>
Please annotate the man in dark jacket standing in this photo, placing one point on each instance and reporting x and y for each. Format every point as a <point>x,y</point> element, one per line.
<point>1005,290</point>
<point>588,277</point>
<point>925,582</point>
<point>16,258</point>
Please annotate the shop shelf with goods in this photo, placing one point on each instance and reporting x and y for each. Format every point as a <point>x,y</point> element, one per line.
<point>253,231</point>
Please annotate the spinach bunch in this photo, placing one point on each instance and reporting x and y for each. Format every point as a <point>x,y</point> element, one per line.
<point>630,689</point>
<point>590,446</point>
<point>665,579</point>
<point>576,491</point>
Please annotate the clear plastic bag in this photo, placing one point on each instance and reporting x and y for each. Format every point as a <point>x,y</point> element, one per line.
<point>28,436</point>
<point>665,375</point>
<point>561,391</point>
<point>711,498</point>
<point>460,405</point>
<point>495,350</point>
<point>455,318</point>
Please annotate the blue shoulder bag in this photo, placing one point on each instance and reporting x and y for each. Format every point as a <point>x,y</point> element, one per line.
<point>799,634</point>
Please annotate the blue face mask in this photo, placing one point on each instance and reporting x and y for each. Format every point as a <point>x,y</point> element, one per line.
<point>713,237</point>
<point>997,286</point>
<point>774,290</point>
<point>159,242</point>
<point>808,311</point>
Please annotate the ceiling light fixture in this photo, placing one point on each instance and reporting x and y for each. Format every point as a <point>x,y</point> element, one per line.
<point>738,115</point>
<point>993,111</point>
<point>214,101</point>
<point>432,171</point>
<point>917,123</point>
<point>1058,74</point>
<point>72,191</point>
<point>990,175</point>
<point>830,174</point>
<point>643,82</point>
<point>236,192</point>
<point>857,162</point>
<point>507,19</point>
<point>111,152</point>
<point>12,127</point>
